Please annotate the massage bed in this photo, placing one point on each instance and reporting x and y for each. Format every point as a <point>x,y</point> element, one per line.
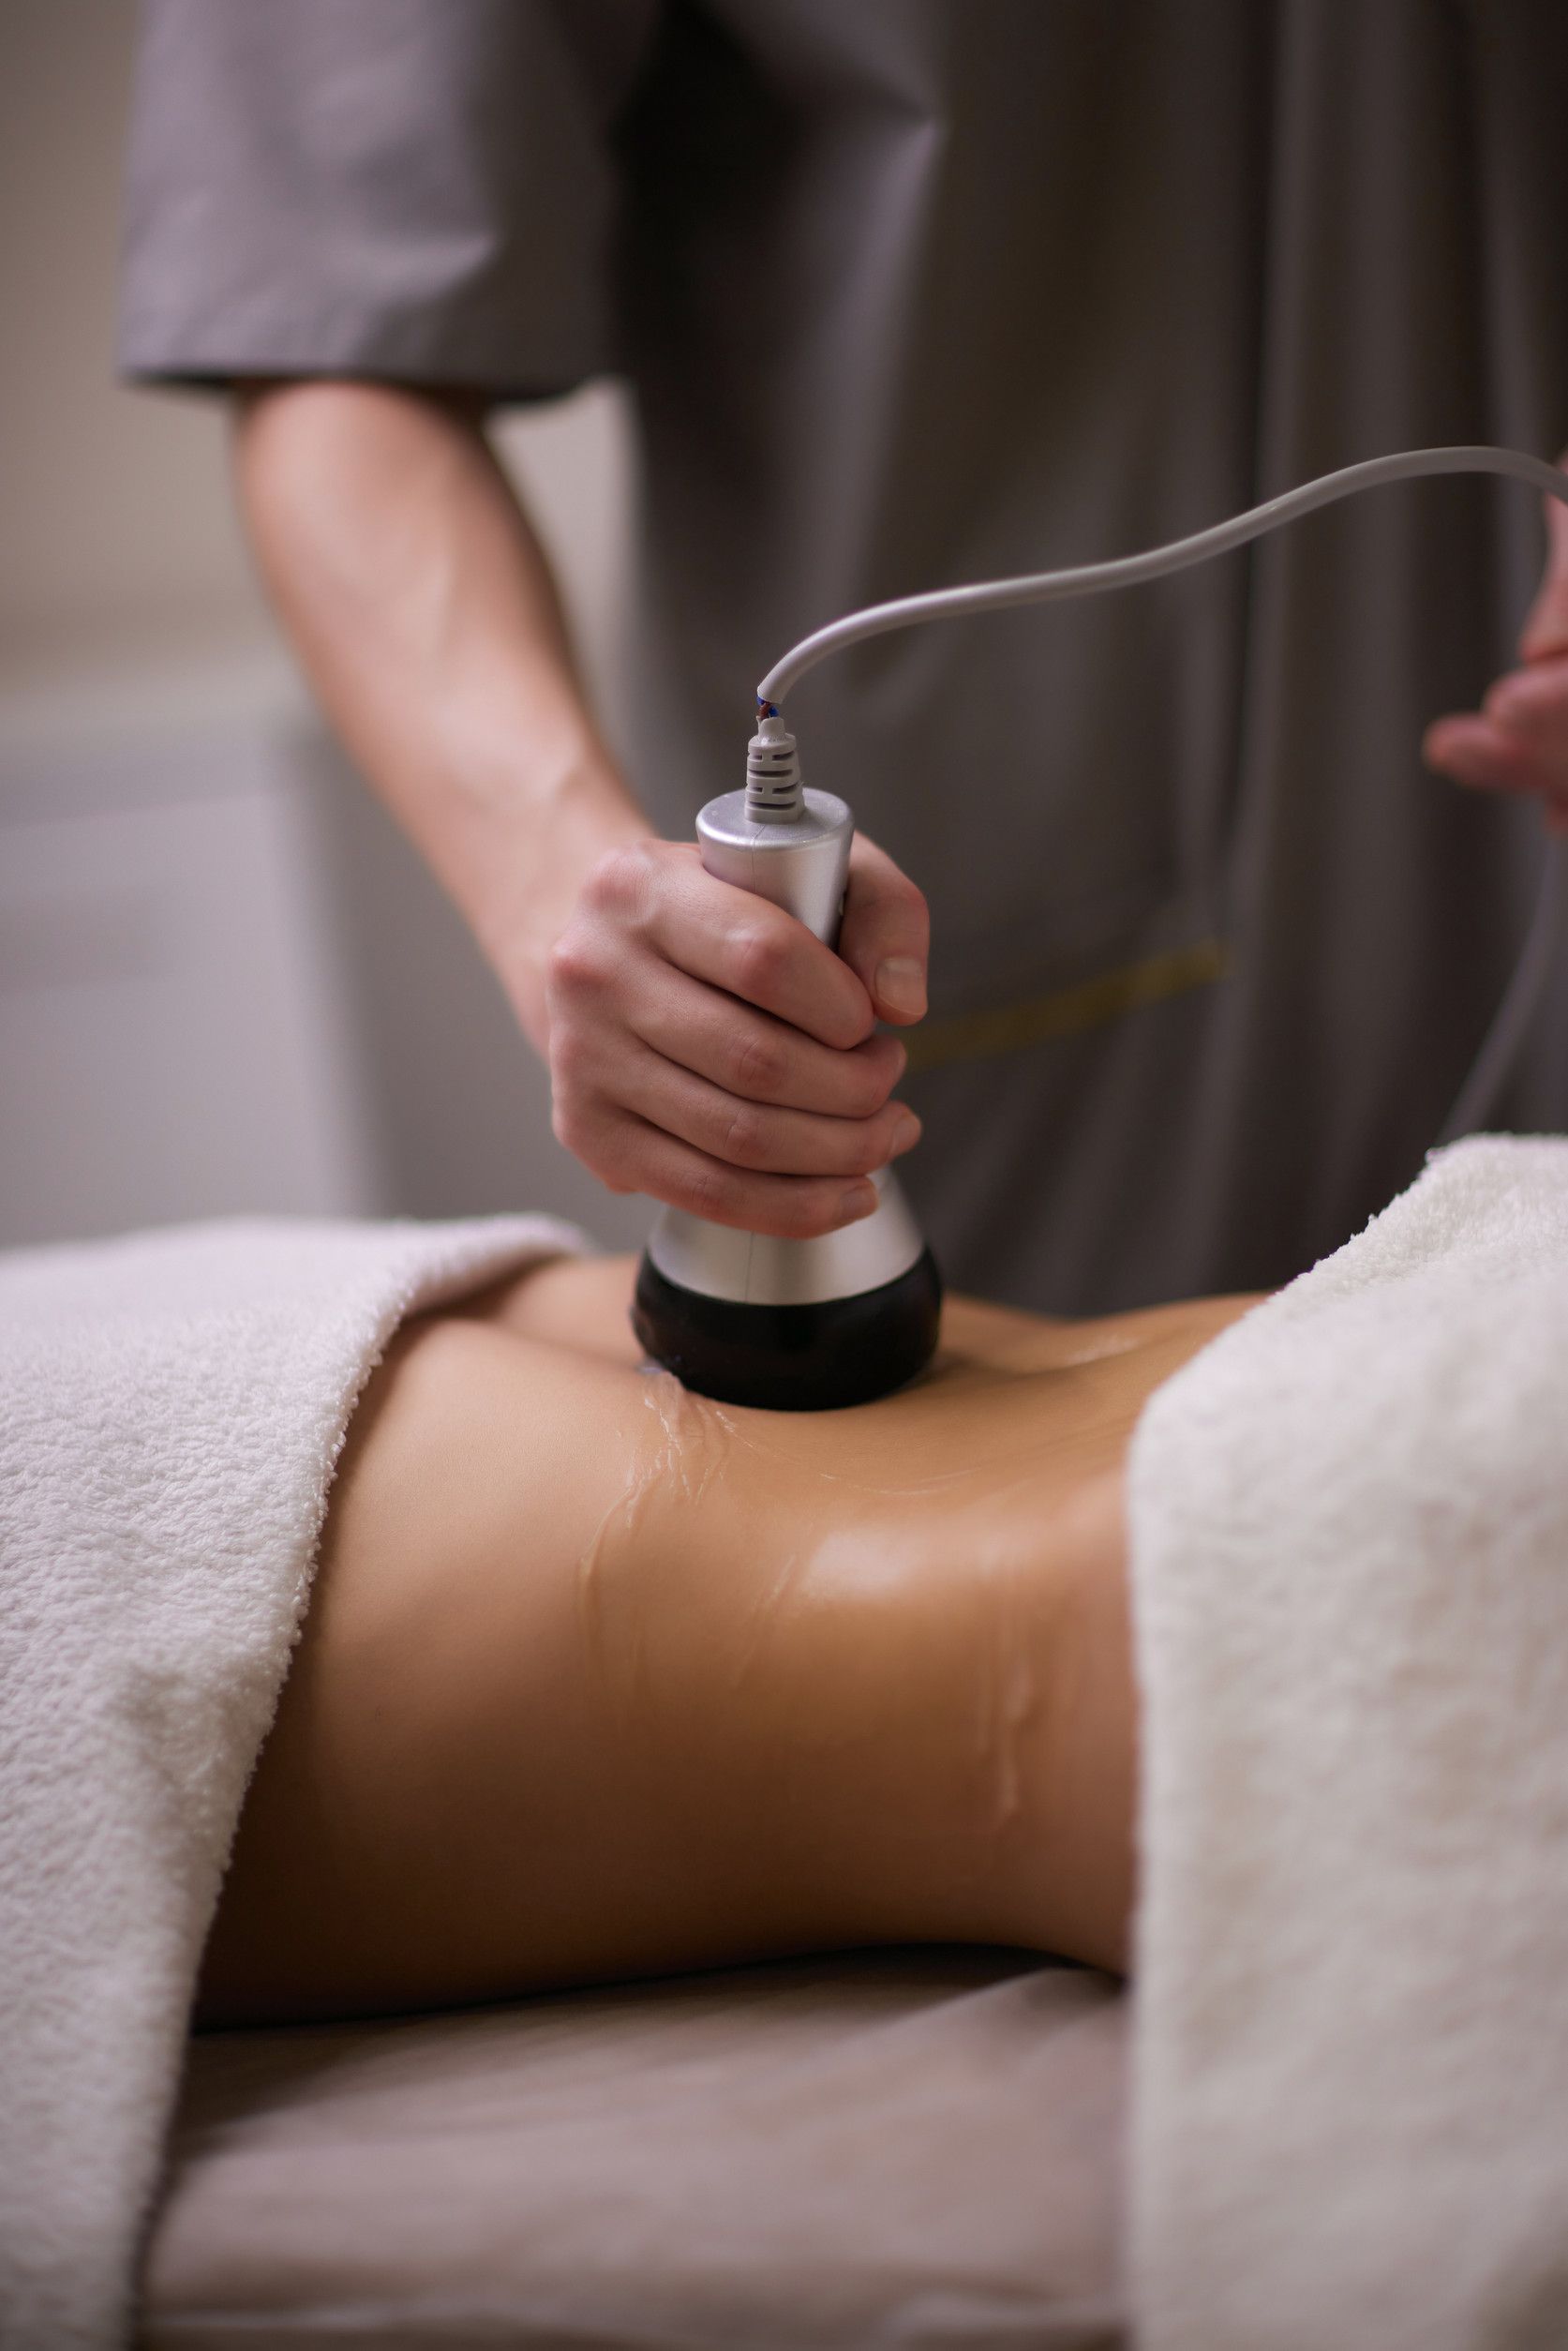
<point>921,2147</point>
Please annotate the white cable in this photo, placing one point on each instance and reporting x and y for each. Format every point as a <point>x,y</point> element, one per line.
<point>1504,1038</point>
<point>1129,571</point>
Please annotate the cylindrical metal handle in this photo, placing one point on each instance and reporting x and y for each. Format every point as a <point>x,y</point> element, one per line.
<point>801,863</point>
<point>801,866</point>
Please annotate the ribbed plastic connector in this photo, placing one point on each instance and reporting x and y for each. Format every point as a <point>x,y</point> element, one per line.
<point>774,793</point>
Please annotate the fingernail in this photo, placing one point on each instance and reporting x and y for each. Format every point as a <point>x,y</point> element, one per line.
<point>900,987</point>
<point>858,1202</point>
<point>907,1133</point>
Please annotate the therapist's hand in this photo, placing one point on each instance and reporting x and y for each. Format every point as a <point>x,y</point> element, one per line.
<point>1518,740</point>
<point>705,1048</point>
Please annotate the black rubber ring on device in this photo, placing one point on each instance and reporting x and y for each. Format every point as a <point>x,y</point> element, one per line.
<point>791,1358</point>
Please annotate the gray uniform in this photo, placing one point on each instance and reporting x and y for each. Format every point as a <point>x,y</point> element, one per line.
<point>913,292</point>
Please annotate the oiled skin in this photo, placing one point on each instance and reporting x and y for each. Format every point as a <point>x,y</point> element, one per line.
<point>601,1679</point>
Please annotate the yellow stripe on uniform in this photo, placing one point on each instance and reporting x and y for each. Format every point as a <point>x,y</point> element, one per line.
<point>1067,1011</point>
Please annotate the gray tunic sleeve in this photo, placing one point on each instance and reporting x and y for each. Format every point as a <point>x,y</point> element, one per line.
<point>420,189</point>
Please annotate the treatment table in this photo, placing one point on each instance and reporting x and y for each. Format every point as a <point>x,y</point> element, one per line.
<point>914,2148</point>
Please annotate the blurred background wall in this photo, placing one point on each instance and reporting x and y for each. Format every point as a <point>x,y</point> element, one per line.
<point>226,984</point>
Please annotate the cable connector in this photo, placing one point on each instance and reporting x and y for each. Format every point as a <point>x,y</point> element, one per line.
<point>774,793</point>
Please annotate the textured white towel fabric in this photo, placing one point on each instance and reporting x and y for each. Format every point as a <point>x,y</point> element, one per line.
<point>1350,1545</point>
<point>171,1410</point>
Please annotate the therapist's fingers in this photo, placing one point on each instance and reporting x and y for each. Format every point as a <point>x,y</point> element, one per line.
<point>1545,630</point>
<point>659,894</point>
<point>756,1057</point>
<point>614,1092</point>
<point>1477,752</point>
<point>754,1135</point>
<point>630,1155</point>
<point>1518,740</point>
<point>677,1071</point>
<point>1532,707</point>
<point>886,934</point>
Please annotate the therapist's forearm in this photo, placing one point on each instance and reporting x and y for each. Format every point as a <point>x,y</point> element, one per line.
<point>704,1047</point>
<point>418,599</point>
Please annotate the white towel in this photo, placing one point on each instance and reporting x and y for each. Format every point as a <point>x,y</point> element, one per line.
<point>170,1409</point>
<point>1350,1548</point>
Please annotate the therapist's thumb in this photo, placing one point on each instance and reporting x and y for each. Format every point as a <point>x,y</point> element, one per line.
<point>886,935</point>
<point>1545,631</point>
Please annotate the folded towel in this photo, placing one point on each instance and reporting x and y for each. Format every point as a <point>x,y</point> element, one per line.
<point>1350,1555</point>
<point>171,1410</point>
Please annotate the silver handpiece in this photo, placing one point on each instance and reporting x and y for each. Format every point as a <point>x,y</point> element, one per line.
<point>800,861</point>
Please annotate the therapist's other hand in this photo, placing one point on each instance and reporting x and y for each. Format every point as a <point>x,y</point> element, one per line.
<point>1517,742</point>
<point>706,1049</point>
